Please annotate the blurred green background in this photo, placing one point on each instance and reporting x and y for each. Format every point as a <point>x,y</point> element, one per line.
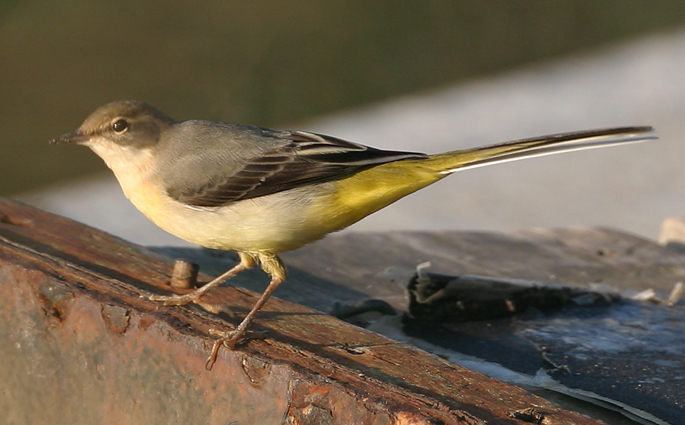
<point>267,63</point>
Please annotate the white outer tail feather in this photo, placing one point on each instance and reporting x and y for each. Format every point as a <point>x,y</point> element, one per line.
<point>582,143</point>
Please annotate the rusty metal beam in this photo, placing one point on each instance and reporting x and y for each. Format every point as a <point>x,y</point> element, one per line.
<point>80,343</point>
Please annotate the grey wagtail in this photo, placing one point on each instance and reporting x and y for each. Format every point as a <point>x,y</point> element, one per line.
<point>260,192</point>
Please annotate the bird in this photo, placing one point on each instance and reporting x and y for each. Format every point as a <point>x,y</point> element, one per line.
<point>260,192</point>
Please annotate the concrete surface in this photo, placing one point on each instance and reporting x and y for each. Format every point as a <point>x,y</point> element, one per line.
<point>633,188</point>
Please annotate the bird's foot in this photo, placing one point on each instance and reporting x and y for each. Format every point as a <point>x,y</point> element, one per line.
<point>229,340</point>
<point>176,299</point>
<point>194,297</point>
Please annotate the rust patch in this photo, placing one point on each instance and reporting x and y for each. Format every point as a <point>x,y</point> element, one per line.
<point>310,401</point>
<point>117,319</point>
<point>310,415</point>
<point>145,322</point>
<point>530,415</point>
<point>257,370</point>
<point>409,418</point>
<point>54,299</point>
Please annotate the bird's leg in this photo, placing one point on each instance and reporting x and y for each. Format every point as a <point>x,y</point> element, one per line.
<point>271,264</point>
<point>245,263</point>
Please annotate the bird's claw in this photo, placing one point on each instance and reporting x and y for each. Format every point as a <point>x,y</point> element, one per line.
<point>171,300</point>
<point>229,340</point>
<point>174,299</point>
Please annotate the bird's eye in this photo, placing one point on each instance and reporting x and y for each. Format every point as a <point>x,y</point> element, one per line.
<point>120,125</point>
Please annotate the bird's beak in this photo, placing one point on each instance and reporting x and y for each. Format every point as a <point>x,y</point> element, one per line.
<point>75,137</point>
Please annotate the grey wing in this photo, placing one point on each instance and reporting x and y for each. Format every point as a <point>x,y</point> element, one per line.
<point>284,160</point>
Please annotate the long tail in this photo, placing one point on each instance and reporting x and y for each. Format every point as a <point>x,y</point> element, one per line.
<point>449,162</point>
<point>377,187</point>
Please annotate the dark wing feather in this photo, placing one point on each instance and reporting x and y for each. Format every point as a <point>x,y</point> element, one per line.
<point>299,158</point>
